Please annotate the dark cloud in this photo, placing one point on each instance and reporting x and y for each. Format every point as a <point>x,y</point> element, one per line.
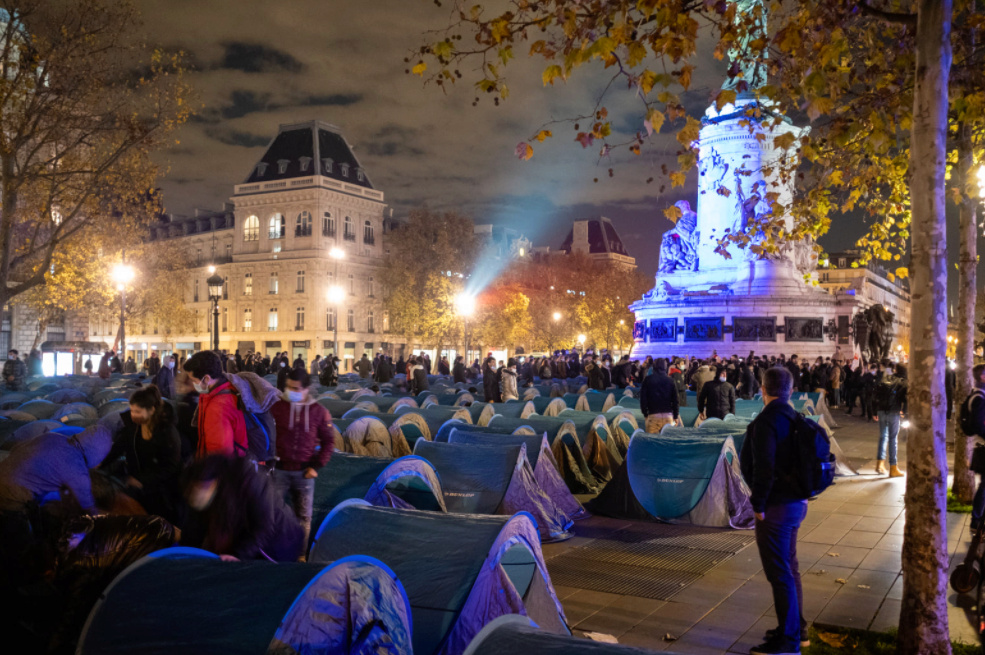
<point>392,149</point>
<point>232,137</point>
<point>257,58</point>
<point>333,100</point>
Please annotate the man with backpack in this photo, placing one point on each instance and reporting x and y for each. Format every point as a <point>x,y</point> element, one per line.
<point>778,447</point>
<point>889,397</point>
<point>221,425</point>
<point>972,419</point>
<point>304,445</point>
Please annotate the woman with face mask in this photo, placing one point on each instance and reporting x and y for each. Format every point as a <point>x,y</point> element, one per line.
<point>236,513</point>
<point>149,446</point>
<point>164,380</point>
<point>304,445</point>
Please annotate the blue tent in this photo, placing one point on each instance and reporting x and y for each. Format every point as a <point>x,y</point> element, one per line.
<point>460,572</point>
<point>493,480</point>
<point>679,480</point>
<point>518,634</point>
<point>539,453</point>
<point>180,602</point>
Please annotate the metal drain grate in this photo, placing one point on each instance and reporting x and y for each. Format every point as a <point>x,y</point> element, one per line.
<point>652,561</point>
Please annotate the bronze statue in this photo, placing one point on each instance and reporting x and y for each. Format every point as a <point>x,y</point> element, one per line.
<point>874,332</point>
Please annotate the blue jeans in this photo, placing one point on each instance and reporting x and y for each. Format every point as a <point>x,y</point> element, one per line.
<point>888,431</point>
<point>302,492</point>
<point>776,538</point>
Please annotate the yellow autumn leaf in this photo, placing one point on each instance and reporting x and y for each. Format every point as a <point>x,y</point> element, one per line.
<point>419,69</point>
<point>543,134</point>
<point>673,213</point>
<point>724,97</point>
<point>551,73</point>
<point>654,120</point>
<point>647,79</point>
<point>677,178</point>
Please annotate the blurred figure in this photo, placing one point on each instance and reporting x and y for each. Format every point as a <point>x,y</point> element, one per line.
<point>14,371</point>
<point>164,380</point>
<point>235,512</point>
<point>221,426</point>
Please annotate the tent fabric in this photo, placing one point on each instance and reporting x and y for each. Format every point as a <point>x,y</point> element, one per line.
<point>538,451</point>
<point>623,425</point>
<point>464,400</point>
<point>530,393</point>
<point>29,431</point>
<point>408,483</point>
<point>554,407</point>
<point>410,426</point>
<point>80,409</point>
<point>346,476</point>
<point>524,430</point>
<point>368,436</point>
<point>518,634</point>
<point>403,402</point>
<point>493,480</point>
<point>67,396</point>
<point>39,409</point>
<point>566,446</point>
<point>460,572</point>
<point>354,605</point>
<point>694,480</point>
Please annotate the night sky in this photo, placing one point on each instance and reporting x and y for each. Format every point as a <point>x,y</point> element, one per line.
<point>259,64</point>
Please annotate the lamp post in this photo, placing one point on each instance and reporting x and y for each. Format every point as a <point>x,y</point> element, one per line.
<point>465,305</point>
<point>335,296</point>
<point>123,275</point>
<point>557,318</point>
<point>581,342</point>
<point>215,284</point>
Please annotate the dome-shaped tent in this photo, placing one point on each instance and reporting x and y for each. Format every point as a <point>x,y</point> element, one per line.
<point>518,634</point>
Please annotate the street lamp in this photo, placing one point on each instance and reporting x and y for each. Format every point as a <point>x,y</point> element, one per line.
<point>123,275</point>
<point>557,316</point>
<point>335,296</point>
<point>465,306</point>
<point>581,341</point>
<point>215,284</point>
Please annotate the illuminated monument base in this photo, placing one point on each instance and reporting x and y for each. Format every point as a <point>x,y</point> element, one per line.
<point>704,303</point>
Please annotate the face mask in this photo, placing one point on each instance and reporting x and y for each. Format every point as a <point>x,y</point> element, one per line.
<point>201,387</point>
<point>283,364</point>
<point>171,364</point>
<point>722,378</point>
<point>294,396</point>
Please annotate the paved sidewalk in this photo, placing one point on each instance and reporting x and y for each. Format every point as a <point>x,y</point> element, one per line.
<point>849,554</point>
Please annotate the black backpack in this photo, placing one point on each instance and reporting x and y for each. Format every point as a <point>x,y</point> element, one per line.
<point>815,465</point>
<point>966,417</point>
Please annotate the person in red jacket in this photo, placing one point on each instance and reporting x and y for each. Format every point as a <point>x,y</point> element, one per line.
<point>221,426</point>
<point>304,444</point>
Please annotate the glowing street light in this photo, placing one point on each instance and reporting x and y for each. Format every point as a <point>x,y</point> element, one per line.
<point>465,306</point>
<point>122,275</point>
<point>581,340</point>
<point>211,269</point>
<point>336,253</point>
<point>557,316</point>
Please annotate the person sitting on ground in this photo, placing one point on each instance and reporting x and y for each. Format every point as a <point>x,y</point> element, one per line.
<point>236,513</point>
<point>221,426</point>
<point>304,445</point>
<point>717,397</point>
<point>659,400</point>
<point>150,448</point>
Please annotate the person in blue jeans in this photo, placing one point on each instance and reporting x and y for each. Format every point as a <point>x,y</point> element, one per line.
<point>780,505</point>
<point>890,398</point>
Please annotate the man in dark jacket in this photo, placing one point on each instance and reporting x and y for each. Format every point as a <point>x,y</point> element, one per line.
<point>458,372</point>
<point>304,445</point>
<point>490,381</point>
<point>794,367</point>
<point>384,370</point>
<point>14,371</point>
<point>717,397</point>
<point>659,401</point>
<point>768,453</point>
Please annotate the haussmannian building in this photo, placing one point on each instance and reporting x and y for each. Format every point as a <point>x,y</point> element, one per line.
<point>306,196</point>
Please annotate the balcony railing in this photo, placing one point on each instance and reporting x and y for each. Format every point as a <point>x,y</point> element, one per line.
<point>368,240</point>
<point>349,236</point>
<point>328,232</point>
<point>302,231</point>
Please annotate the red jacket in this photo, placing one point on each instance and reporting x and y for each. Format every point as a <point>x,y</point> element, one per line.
<point>221,423</point>
<point>301,427</point>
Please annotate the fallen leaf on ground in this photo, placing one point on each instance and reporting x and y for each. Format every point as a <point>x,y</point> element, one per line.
<point>864,586</point>
<point>818,572</point>
<point>669,637</point>
<point>841,581</point>
<point>599,636</point>
<point>834,554</point>
<point>832,639</point>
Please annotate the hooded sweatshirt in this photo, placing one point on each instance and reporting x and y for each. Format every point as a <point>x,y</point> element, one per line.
<point>304,434</point>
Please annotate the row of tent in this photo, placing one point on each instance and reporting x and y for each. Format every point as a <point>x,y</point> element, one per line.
<point>450,585</point>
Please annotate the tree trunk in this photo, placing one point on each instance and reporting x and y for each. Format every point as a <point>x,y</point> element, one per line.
<point>923,626</point>
<point>964,478</point>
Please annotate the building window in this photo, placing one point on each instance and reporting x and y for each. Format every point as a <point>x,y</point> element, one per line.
<point>198,257</point>
<point>225,288</point>
<point>229,252</point>
<point>352,285</point>
<point>277,226</point>
<point>386,321</point>
<point>305,163</point>
<point>282,166</point>
<point>368,235</point>
<point>251,229</point>
<point>345,170</point>
<point>247,320</point>
<point>351,321</point>
<point>330,318</point>
<point>225,319</point>
<point>326,165</point>
<point>370,322</point>
<point>349,232</point>
<point>272,320</point>
<point>273,284</point>
<point>359,174</point>
<point>299,320</point>
<point>261,169</point>
<point>300,288</point>
<point>371,287</point>
<point>248,284</point>
<point>328,225</point>
<point>195,291</point>
<point>302,226</point>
